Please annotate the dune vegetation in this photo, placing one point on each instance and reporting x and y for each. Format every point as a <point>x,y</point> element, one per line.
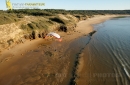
<point>36,23</point>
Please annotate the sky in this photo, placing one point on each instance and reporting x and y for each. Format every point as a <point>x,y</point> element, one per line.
<point>76,4</point>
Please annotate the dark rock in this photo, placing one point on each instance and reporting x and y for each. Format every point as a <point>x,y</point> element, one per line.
<point>91,33</point>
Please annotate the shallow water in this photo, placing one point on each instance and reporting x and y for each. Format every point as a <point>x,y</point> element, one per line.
<point>107,55</point>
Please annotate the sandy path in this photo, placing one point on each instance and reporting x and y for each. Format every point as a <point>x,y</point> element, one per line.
<point>44,62</point>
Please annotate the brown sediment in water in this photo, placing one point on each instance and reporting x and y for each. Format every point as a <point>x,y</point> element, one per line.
<point>45,62</point>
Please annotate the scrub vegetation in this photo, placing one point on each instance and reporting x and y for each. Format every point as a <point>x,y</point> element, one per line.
<point>33,23</point>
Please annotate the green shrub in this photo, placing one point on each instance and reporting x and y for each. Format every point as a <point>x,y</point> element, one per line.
<point>7,18</point>
<point>37,25</point>
<point>58,20</point>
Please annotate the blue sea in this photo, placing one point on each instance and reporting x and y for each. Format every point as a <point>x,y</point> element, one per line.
<point>108,53</point>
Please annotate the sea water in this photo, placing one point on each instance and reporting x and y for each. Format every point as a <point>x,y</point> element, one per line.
<point>109,52</point>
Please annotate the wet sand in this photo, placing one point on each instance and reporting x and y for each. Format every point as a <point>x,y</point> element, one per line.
<point>45,62</point>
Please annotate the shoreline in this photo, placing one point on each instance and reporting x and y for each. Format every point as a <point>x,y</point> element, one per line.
<point>20,52</point>
<point>80,59</point>
<point>81,73</point>
<point>86,26</point>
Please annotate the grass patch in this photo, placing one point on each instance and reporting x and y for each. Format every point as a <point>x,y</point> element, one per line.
<point>59,20</point>
<point>40,25</point>
<point>7,18</point>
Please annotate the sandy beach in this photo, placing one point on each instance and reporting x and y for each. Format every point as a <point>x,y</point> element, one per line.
<point>48,62</point>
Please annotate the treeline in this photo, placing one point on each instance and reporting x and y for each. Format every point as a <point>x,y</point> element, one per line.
<point>34,12</point>
<point>51,12</point>
<point>98,12</point>
<point>87,12</point>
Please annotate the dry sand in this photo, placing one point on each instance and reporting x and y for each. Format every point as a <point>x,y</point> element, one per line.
<point>42,62</point>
